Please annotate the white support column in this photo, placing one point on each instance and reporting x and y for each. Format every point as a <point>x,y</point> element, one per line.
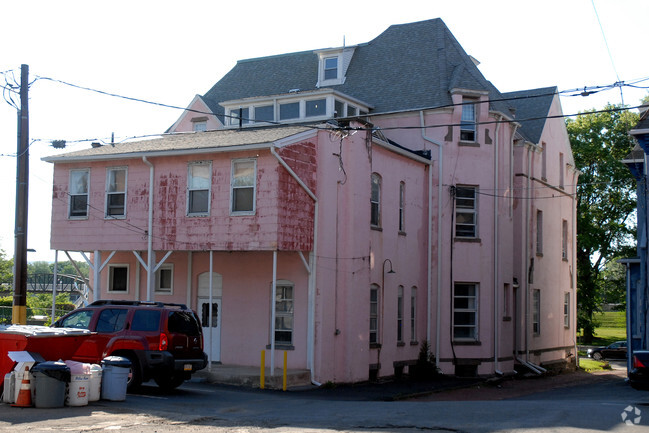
<point>272,316</point>
<point>54,281</point>
<point>96,284</point>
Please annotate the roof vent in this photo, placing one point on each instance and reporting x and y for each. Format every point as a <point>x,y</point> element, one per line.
<point>294,91</point>
<point>95,144</point>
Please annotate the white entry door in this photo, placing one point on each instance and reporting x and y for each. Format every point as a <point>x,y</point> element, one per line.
<point>211,334</point>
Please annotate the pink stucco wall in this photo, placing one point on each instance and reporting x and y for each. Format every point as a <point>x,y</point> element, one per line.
<point>351,255</point>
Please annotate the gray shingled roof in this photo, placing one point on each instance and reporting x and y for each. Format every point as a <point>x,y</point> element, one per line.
<point>408,66</point>
<point>531,104</point>
<point>208,141</point>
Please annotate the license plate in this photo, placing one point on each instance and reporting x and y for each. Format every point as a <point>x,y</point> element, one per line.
<point>188,367</point>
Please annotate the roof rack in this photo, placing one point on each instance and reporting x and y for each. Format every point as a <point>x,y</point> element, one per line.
<point>144,303</point>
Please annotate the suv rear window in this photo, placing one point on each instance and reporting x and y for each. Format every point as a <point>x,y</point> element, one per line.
<point>146,320</point>
<point>111,320</point>
<point>183,322</point>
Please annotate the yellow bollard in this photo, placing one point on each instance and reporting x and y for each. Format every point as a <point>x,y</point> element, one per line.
<point>262,378</point>
<point>284,378</point>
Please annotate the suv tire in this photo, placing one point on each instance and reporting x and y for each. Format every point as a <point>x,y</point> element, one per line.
<point>134,376</point>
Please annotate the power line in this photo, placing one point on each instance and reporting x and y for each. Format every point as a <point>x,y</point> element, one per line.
<point>608,49</point>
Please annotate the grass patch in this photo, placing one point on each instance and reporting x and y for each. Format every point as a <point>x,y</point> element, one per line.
<point>590,365</point>
<point>611,319</point>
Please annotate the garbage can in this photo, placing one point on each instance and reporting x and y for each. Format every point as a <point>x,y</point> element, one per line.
<point>114,378</point>
<point>78,388</point>
<point>94,393</point>
<point>50,379</point>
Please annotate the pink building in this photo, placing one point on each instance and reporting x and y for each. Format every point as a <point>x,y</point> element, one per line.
<point>345,205</point>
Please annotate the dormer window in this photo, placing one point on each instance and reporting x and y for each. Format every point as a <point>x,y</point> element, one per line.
<point>330,68</point>
<point>332,65</point>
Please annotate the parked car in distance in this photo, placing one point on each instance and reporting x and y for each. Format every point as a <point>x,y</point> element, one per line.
<point>639,374</point>
<point>163,342</point>
<point>615,350</point>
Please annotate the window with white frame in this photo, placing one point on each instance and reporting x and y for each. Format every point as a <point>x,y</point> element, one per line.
<point>400,314</point>
<point>413,314</point>
<point>566,310</point>
<point>240,115</point>
<point>264,113</point>
<point>536,312</point>
<point>289,110</point>
<point>375,201</point>
<point>402,206</point>
<point>199,182</point>
<point>330,68</point>
<point>316,107</point>
<point>118,278</point>
<point>284,303</point>
<point>164,279</point>
<point>199,126</point>
<point>116,192</point>
<point>79,188</point>
<point>374,314</point>
<point>466,212</point>
<point>539,233</point>
<point>465,312</point>
<point>544,161</point>
<point>564,239</point>
<point>468,124</point>
<point>244,181</point>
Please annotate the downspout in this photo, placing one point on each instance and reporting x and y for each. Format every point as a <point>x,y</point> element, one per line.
<point>312,269</point>
<point>526,275</point>
<point>150,260</point>
<point>573,272</point>
<point>496,262</point>
<point>440,154</point>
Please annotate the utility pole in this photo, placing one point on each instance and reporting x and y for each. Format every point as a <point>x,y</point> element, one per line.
<point>22,193</point>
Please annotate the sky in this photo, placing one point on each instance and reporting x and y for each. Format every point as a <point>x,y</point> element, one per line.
<point>169,51</point>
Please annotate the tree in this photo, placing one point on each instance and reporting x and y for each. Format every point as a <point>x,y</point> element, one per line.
<point>6,269</point>
<point>605,202</point>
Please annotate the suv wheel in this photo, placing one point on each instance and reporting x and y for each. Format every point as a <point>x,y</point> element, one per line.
<point>169,382</point>
<point>134,376</point>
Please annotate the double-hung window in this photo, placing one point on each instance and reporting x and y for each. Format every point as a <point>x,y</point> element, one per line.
<point>374,314</point>
<point>402,206</point>
<point>116,192</point>
<point>79,181</point>
<point>164,279</point>
<point>566,310</point>
<point>536,312</point>
<point>244,180</point>
<point>400,314</point>
<point>564,240</point>
<point>375,201</point>
<point>330,66</point>
<point>539,233</point>
<point>284,313</point>
<point>466,212</point>
<point>413,314</point>
<point>118,278</point>
<point>465,312</point>
<point>199,181</point>
<point>468,124</point>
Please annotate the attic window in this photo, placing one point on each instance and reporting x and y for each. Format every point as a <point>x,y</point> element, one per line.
<point>331,68</point>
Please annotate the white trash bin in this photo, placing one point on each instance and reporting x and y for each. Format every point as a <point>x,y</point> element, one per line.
<point>78,390</point>
<point>94,393</point>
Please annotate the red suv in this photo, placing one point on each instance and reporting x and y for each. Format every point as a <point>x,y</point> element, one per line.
<point>164,342</point>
